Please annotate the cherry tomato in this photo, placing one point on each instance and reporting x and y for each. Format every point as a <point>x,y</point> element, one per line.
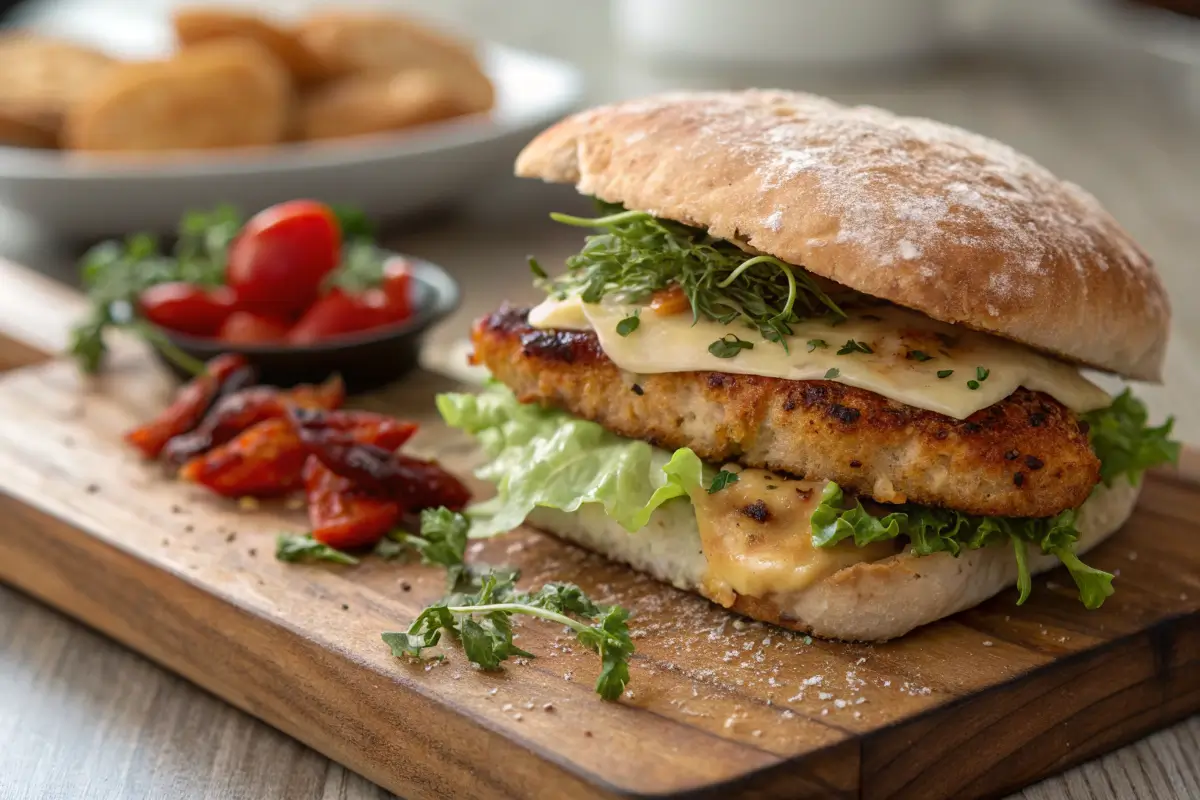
<point>282,254</point>
<point>246,327</point>
<point>338,313</point>
<point>398,286</point>
<point>187,308</point>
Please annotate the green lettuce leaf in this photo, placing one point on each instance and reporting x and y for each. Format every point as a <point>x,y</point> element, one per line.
<point>1125,444</point>
<point>542,457</point>
<point>941,530</point>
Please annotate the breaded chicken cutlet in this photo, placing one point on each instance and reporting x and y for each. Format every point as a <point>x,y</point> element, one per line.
<point>1026,456</point>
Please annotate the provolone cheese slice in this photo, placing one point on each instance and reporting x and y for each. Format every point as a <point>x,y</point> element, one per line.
<point>913,359</point>
<point>757,540</point>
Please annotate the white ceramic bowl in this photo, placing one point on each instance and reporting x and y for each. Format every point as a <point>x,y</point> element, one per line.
<point>387,175</point>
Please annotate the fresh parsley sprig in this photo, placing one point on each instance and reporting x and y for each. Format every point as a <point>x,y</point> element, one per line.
<point>483,600</point>
<point>635,255</point>
<point>303,547</point>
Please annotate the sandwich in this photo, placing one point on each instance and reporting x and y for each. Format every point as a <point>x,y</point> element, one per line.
<point>820,364</point>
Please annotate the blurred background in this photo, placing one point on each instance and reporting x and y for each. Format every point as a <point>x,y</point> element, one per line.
<point>1103,92</point>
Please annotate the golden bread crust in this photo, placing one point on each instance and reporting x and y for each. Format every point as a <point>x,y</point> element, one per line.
<point>926,215</point>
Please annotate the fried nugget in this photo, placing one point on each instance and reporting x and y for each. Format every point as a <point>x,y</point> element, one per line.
<point>17,132</point>
<point>367,42</point>
<point>199,24</point>
<point>224,93</point>
<point>362,104</point>
<point>42,79</point>
<point>813,429</point>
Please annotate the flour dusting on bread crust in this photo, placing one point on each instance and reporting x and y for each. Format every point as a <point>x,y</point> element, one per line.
<point>930,216</point>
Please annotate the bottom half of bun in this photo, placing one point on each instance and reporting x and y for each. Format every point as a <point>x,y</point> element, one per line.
<point>869,601</point>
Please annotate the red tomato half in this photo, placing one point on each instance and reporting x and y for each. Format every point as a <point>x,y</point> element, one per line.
<point>338,313</point>
<point>398,286</point>
<point>245,327</point>
<point>279,259</point>
<point>187,308</point>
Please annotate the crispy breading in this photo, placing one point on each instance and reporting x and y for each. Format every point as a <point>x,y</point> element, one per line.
<point>196,24</point>
<point>1026,456</point>
<point>361,104</point>
<point>43,78</point>
<point>223,93</point>
<point>17,131</point>
<point>362,41</point>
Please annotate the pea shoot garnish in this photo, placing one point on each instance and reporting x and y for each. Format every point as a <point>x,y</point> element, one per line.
<point>633,255</point>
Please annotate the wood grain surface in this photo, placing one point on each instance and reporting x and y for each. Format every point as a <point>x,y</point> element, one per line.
<point>733,708</point>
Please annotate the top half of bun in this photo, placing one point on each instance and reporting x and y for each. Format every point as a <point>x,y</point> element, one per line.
<point>926,215</point>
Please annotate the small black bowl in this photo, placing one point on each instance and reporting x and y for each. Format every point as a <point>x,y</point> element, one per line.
<point>365,361</point>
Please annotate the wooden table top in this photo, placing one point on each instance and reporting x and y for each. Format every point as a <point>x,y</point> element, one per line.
<point>82,717</point>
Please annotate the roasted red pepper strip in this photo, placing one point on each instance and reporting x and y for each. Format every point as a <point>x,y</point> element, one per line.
<point>268,459</point>
<point>414,483</point>
<point>363,427</point>
<point>190,404</point>
<point>263,461</point>
<point>342,516</point>
<point>237,412</point>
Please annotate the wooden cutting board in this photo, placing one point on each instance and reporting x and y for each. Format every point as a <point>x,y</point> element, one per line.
<point>978,705</point>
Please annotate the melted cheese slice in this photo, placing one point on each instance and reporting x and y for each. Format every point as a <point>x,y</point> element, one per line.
<point>757,540</point>
<point>674,344</point>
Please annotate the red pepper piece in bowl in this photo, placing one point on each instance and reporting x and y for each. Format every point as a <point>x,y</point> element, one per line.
<point>247,327</point>
<point>188,308</point>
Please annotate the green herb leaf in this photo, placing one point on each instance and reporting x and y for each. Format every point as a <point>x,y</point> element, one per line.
<point>361,267</point>
<point>353,223</point>
<point>813,344</point>
<point>628,325</point>
<point>1125,442</point>
<point>832,373</point>
<point>1095,585</point>
<point>919,355</point>
<point>115,273</point>
<point>1024,577</point>
<point>389,549</point>
<point>972,385</point>
<point>945,373</point>
<point>634,255</point>
<point>538,272</point>
<point>443,542</point>
<point>852,346</point>
<point>729,346</point>
<point>482,621</point>
<point>722,479</point>
<point>982,374</point>
<point>610,638</point>
<point>304,547</point>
